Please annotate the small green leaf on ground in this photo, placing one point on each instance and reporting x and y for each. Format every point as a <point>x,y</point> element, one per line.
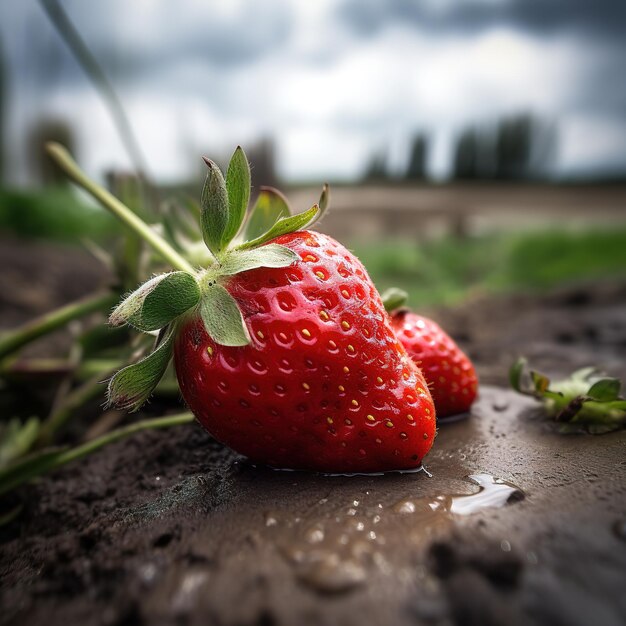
<point>515,374</point>
<point>605,390</point>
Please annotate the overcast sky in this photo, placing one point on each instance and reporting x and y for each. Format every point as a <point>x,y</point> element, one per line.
<point>330,80</point>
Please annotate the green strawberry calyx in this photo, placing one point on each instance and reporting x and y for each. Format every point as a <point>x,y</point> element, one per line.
<point>238,240</point>
<point>394,299</point>
<point>586,399</point>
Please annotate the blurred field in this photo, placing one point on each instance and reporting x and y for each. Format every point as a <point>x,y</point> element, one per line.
<point>441,244</point>
<point>447,269</point>
<point>52,213</point>
<point>373,211</point>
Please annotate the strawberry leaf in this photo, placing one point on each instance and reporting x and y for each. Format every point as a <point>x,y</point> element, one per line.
<point>269,207</point>
<point>584,373</point>
<point>284,226</point>
<point>215,209</point>
<point>157,302</point>
<point>132,386</point>
<point>515,374</point>
<point>605,390</point>
<point>324,200</point>
<point>576,401</point>
<point>222,318</point>
<point>540,382</point>
<point>238,189</point>
<point>270,255</point>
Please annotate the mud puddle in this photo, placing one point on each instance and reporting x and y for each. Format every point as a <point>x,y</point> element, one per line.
<point>335,550</point>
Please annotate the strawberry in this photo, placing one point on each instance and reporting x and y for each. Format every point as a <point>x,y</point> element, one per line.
<point>450,374</point>
<point>282,347</point>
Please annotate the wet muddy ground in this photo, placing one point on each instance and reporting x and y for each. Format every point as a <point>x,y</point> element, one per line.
<point>516,523</point>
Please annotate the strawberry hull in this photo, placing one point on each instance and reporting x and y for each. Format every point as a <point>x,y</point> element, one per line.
<point>324,384</point>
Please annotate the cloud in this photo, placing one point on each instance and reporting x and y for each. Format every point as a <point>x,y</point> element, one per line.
<point>600,18</point>
<point>154,37</point>
<point>330,80</point>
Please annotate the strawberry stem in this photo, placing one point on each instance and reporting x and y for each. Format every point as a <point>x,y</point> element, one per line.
<point>18,337</point>
<point>64,160</point>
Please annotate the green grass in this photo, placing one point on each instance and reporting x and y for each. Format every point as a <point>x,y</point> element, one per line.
<point>447,270</point>
<point>53,213</point>
<point>438,271</point>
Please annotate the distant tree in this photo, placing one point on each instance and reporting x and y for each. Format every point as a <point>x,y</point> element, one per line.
<point>466,155</point>
<point>262,157</point>
<point>518,147</point>
<point>376,169</point>
<point>48,129</point>
<point>3,87</point>
<point>416,169</point>
<point>513,149</point>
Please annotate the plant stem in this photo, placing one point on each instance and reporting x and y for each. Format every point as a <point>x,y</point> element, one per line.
<point>18,337</point>
<point>46,460</point>
<point>77,45</point>
<point>121,433</point>
<point>73,401</point>
<point>25,368</point>
<point>64,160</point>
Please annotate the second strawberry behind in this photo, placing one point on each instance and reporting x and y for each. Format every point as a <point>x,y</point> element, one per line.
<point>450,374</point>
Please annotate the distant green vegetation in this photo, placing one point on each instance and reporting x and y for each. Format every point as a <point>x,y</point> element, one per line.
<point>447,270</point>
<point>437,271</point>
<point>55,212</point>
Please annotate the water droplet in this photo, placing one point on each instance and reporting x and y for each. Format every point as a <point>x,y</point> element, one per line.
<point>315,535</point>
<point>270,520</point>
<point>332,574</point>
<point>500,404</point>
<point>404,506</point>
<point>493,493</point>
<point>148,572</point>
<point>184,596</point>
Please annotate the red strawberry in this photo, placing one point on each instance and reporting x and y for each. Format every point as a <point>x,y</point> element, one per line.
<point>324,384</point>
<point>285,353</point>
<point>450,374</point>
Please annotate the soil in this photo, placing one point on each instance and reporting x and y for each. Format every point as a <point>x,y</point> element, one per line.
<point>170,527</point>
